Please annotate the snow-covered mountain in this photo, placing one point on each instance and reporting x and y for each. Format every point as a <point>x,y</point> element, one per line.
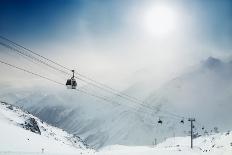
<point>216,144</point>
<point>204,92</point>
<point>22,132</point>
<point>97,122</point>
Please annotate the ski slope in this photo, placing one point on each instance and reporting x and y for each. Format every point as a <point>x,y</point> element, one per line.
<point>16,139</point>
<point>218,144</point>
<point>205,86</point>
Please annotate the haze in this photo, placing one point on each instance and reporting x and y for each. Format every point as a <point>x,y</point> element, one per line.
<point>114,41</point>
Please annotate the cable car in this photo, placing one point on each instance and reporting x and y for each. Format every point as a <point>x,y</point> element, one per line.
<point>71,83</point>
<point>182,121</point>
<point>160,121</point>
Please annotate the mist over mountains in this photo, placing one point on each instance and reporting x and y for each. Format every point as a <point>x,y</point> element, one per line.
<point>203,91</point>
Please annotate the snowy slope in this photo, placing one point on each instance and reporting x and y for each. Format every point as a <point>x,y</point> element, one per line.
<point>97,122</point>
<point>206,86</point>
<point>17,140</point>
<point>17,135</point>
<point>217,144</point>
<point>204,92</point>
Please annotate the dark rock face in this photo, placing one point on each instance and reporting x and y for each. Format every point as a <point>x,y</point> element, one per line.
<point>32,125</point>
<point>10,107</point>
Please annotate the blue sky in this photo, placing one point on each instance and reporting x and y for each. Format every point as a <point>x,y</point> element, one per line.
<point>41,19</point>
<point>108,35</point>
<point>49,19</point>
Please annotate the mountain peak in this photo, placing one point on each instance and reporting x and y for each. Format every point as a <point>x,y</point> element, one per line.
<point>212,62</point>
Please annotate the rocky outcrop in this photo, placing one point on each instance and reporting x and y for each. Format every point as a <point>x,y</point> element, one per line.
<point>31,124</point>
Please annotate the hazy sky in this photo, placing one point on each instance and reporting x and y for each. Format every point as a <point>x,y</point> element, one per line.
<point>112,40</point>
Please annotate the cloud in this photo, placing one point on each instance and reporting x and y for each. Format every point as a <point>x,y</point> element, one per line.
<point>105,40</point>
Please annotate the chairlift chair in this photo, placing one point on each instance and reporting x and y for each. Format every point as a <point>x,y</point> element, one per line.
<point>160,121</point>
<point>71,83</point>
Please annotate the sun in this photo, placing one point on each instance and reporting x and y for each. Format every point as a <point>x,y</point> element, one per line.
<point>160,20</point>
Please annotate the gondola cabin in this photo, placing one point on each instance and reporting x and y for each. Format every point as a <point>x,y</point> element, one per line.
<point>160,121</point>
<point>182,121</point>
<point>71,83</point>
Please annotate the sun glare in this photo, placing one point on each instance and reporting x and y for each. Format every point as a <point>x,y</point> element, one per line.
<point>160,20</point>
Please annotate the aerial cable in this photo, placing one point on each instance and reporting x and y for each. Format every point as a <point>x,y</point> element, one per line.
<point>34,53</point>
<point>90,79</point>
<point>118,93</point>
<point>34,58</point>
<point>51,79</point>
<point>44,77</point>
<point>20,52</point>
<point>82,91</point>
<point>31,60</point>
<point>203,127</point>
<point>138,103</point>
<point>41,76</point>
<point>107,87</point>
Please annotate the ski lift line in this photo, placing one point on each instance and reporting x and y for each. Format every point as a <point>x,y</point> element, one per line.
<point>29,56</point>
<point>202,126</point>
<point>41,76</point>
<point>87,93</point>
<point>197,125</point>
<point>117,94</point>
<point>33,58</point>
<point>90,94</point>
<point>94,92</point>
<point>20,52</point>
<point>50,79</point>
<point>134,107</point>
<point>106,99</point>
<point>131,101</point>
<point>198,128</point>
<point>160,121</point>
<point>175,115</point>
<point>59,65</point>
<point>107,87</point>
<point>111,90</point>
<point>139,103</point>
<point>150,108</point>
<point>103,98</point>
<point>196,122</point>
<point>168,116</point>
<point>28,59</point>
<point>64,67</point>
<point>27,49</point>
